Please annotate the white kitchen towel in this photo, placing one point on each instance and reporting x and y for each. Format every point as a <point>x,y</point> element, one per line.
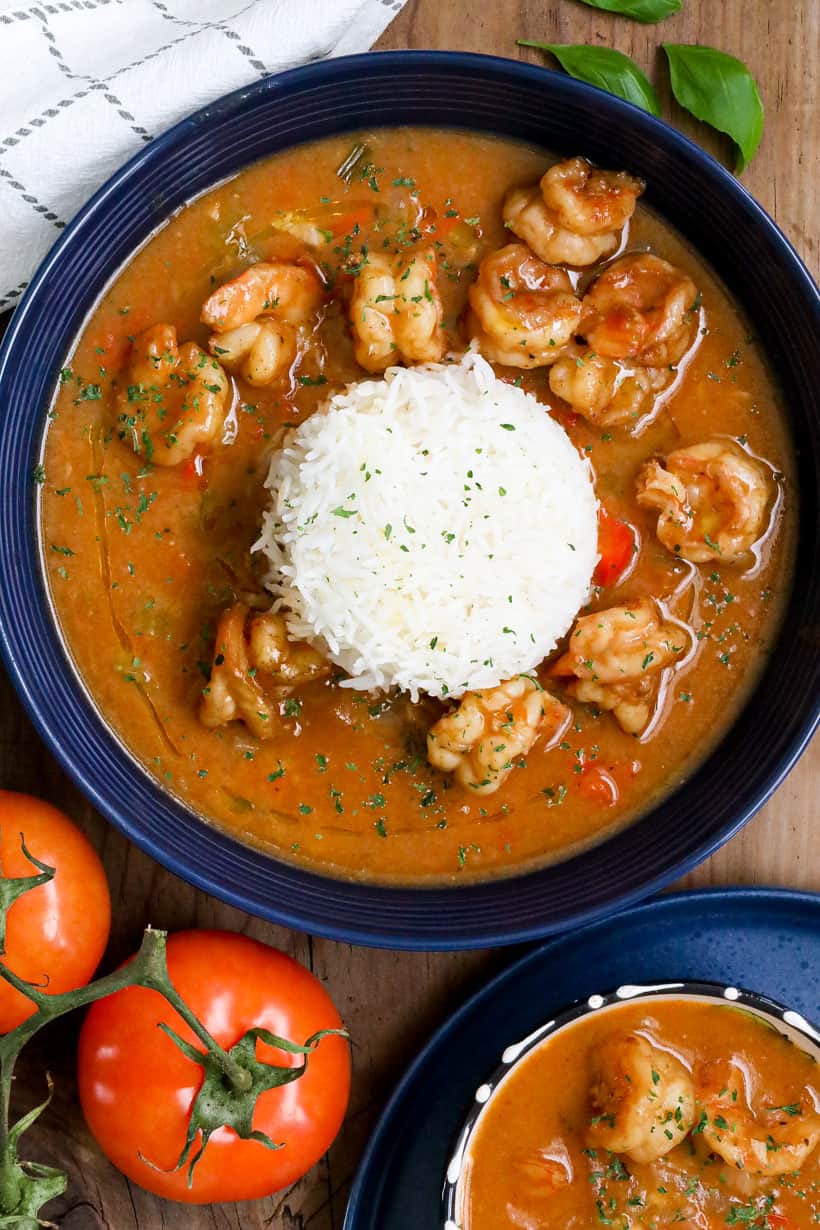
<point>85,83</point>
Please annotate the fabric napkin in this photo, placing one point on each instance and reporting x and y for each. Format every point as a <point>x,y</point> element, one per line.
<point>85,83</point>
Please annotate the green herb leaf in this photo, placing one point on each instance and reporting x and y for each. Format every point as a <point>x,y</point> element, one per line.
<point>718,89</point>
<point>608,69</point>
<point>647,11</point>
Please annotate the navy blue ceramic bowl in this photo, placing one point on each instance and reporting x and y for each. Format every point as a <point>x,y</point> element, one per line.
<point>686,187</point>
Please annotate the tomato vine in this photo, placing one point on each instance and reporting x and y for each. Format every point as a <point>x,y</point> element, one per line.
<point>233,1079</point>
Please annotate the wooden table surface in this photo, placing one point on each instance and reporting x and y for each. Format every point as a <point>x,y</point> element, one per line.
<point>391,1001</point>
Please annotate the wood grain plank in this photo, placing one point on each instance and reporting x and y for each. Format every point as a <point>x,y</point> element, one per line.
<point>391,1001</point>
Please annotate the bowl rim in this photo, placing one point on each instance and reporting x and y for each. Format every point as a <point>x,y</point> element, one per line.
<point>518,1052</point>
<point>397,926</point>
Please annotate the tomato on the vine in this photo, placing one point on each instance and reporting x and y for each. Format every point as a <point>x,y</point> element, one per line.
<point>137,1087</point>
<point>56,933</point>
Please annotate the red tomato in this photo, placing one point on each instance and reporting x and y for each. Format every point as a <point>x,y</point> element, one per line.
<point>598,784</point>
<point>568,420</point>
<point>603,783</point>
<point>136,1086</point>
<point>56,933</point>
<point>361,216</point>
<point>193,471</point>
<point>616,547</point>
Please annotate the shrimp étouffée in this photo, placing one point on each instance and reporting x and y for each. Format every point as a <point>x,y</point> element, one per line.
<point>674,1110</point>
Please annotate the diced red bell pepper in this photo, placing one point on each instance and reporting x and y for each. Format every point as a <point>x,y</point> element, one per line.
<point>597,784</point>
<point>617,542</point>
<point>361,216</point>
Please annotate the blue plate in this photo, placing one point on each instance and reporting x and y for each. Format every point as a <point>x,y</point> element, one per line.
<point>761,940</point>
<point>685,186</point>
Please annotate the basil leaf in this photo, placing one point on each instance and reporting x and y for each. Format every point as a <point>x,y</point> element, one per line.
<point>720,90</point>
<point>602,66</point>
<point>647,11</point>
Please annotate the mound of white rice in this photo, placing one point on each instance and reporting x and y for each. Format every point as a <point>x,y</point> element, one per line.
<point>434,530</point>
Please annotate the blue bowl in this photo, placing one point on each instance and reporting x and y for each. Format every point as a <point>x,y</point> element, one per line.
<point>686,187</point>
<point>785,1020</point>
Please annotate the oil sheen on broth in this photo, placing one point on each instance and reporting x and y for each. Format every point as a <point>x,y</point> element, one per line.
<point>145,553</point>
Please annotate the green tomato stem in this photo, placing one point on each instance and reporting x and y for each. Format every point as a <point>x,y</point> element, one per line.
<point>11,889</point>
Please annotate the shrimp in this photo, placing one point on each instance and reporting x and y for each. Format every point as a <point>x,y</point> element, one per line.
<point>293,663</point>
<point>767,1141</point>
<point>545,1171</point>
<point>631,703</point>
<point>270,288</point>
<point>587,200</point>
<point>616,657</point>
<point>526,215</point>
<point>540,1176</point>
<point>640,307</point>
<point>259,352</point>
<point>396,311</point>
<point>623,642</point>
<point>479,741</point>
<point>712,500</point>
<point>605,391</point>
<point>254,666</point>
<point>260,319</point>
<point>574,215</point>
<point>172,398</point>
<point>643,1099</point>
<point>524,310</point>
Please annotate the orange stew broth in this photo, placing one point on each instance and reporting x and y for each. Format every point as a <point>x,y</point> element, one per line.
<point>537,1122</point>
<point>142,561</point>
